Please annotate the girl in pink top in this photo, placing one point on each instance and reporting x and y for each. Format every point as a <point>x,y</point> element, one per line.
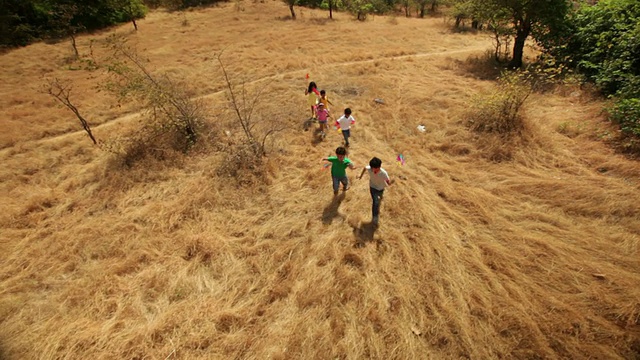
<point>322,114</point>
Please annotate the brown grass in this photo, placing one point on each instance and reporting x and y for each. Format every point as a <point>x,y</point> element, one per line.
<point>536,256</point>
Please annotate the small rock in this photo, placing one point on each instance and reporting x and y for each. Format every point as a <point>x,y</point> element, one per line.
<point>416,331</point>
<point>379,101</point>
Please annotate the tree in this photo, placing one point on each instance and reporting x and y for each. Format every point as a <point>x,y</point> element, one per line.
<point>527,17</point>
<point>62,93</point>
<point>532,18</point>
<point>291,3</point>
<point>173,120</point>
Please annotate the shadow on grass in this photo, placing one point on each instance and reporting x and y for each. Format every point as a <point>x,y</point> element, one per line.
<point>365,234</point>
<point>331,211</point>
<point>482,67</point>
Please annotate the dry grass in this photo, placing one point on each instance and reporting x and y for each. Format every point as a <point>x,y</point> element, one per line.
<point>533,257</point>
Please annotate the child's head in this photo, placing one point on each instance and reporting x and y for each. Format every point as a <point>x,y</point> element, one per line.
<point>341,152</point>
<point>347,111</point>
<point>320,106</point>
<point>323,93</point>
<point>312,85</point>
<point>375,164</point>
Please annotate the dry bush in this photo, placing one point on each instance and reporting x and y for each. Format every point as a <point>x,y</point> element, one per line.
<point>500,112</point>
<point>62,92</point>
<point>472,260</point>
<point>173,119</point>
<point>257,128</point>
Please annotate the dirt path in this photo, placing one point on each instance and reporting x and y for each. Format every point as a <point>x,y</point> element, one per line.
<point>128,117</point>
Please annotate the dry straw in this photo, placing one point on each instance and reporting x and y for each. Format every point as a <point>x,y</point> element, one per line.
<point>532,256</point>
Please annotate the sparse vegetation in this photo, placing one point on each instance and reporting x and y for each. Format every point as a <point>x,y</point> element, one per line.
<point>172,118</point>
<point>602,41</point>
<point>62,93</point>
<point>475,257</point>
<point>501,111</point>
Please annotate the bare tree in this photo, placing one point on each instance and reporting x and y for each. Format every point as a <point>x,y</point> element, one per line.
<point>62,93</point>
<point>243,106</point>
<point>167,102</point>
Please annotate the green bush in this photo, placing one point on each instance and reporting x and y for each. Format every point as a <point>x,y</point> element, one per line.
<point>627,113</point>
<point>602,41</point>
<point>25,21</point>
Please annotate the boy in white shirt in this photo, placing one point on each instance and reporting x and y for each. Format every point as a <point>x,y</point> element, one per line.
<point>345,121</point>
<point>378,181</point>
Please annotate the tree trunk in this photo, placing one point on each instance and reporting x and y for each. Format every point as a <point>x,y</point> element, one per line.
<point>433,6</point>
<point>330,9</point>
<point>74,46</point>
<point>523,28</point>
<point>293,13</point>
<point>133,18</point>
<point>422,9</point>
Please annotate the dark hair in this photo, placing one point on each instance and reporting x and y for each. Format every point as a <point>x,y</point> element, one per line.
<point>312,85</point>
<point>347,111</point>
<point>341,151</point>
<point>375,163</point>
<point>322,92</point>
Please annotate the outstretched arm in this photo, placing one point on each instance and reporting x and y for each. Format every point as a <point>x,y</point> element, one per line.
<point>362,173</point>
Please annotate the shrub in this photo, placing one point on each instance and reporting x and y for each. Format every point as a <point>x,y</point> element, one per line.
<point>172,119</point>
<point>626,112</point>
<point>501,111</point>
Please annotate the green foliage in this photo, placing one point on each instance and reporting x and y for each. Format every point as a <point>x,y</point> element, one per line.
<point>627,113</point>
<point>25,21</point>
<point>362,8</point>
<point>522,18</point>
<point>602,41</point>
<point>179,4</point>
<point>608,43</point>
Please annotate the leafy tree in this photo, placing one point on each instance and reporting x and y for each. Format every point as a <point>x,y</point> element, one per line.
<point>291,3</point>
<point>25,21</point>
<point>406,6</point>
<point>607,43</point>
<point>532,18</point>
<point>362,8</point>
<point>602,41</point>
<point>527,18</point>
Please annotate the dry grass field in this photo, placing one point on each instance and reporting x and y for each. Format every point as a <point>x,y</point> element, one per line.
<point>487,248</point>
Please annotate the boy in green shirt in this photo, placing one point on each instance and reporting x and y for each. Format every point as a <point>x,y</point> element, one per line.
<point>339,165</point>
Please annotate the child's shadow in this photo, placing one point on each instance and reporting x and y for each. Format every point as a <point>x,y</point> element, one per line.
<point>331,211</point>
<point>365,233</point>
<point>316,138</point>
<point>307,124</point>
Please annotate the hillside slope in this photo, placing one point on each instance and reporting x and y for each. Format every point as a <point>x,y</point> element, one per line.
<point>486,249</point>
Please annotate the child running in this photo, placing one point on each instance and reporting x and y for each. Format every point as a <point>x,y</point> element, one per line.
<point>312,97</point>
<point>345,121</point>
<point>322,113</point>
<point>325,99</point>
<point>378,180</point>
<point>339,165</point>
